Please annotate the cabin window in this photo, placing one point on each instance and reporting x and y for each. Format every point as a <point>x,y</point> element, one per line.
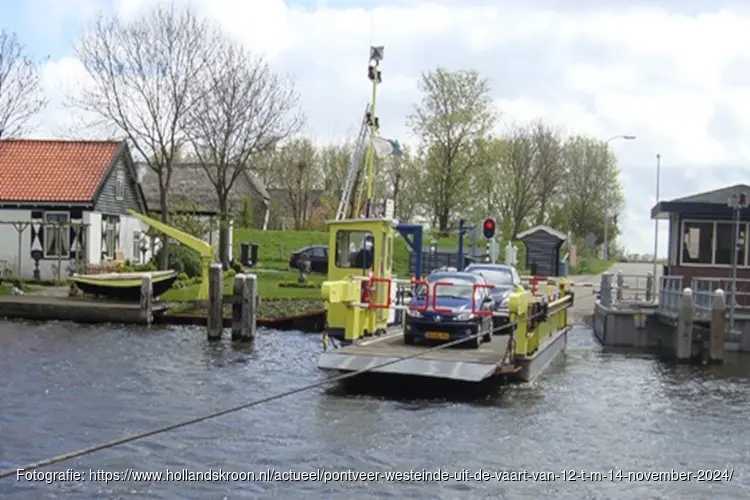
<point>56,235</point>
<point>354,249</point>
<point>120,186</point>
<point>697,242</point>
<point>725,239</point>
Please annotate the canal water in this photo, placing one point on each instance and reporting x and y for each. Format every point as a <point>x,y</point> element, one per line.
<point>66,386</point>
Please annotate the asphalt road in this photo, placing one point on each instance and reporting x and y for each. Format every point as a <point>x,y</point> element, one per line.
<point>585,297</point>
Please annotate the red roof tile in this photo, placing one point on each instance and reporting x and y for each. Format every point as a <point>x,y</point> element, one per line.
<point>53,170</point>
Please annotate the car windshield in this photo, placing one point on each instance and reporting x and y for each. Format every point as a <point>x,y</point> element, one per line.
<point>496,277</point>
<point>460,288</point>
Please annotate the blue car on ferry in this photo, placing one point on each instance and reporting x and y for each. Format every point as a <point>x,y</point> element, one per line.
<point>428,319</point>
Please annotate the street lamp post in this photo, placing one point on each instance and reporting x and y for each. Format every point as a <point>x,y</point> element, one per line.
<point>656,225</point>
<point>606,199</point>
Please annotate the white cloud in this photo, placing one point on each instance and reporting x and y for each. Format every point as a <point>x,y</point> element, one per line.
<point>677,81</point>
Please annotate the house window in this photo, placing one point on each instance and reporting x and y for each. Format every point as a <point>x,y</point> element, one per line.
<point>110,238</point>
<point>697,242</point>
<point>136,246</point>
<point>354,249</point>
<point>56,235</point>
<point>120,186</point>
<point>725,239</point>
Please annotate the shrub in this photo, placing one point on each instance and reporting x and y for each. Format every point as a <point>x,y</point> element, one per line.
<point>294,284</point>
<point>229,273</point>
<point>182,277</point>
<point>182,260</point>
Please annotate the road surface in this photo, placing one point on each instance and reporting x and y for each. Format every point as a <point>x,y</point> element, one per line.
<point>585,297</point>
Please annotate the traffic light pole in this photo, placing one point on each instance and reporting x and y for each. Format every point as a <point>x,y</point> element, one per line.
<point>461,230</point>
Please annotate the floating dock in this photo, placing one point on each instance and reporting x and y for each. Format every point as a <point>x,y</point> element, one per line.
<point>521,356</point>
<point>80,310</point>
<point>491,359</point>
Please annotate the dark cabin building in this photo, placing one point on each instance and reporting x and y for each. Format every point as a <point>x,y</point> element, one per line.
<point>701,237</point>
<point>542,250</point>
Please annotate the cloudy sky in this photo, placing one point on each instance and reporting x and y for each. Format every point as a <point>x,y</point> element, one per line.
<point>676,74</point>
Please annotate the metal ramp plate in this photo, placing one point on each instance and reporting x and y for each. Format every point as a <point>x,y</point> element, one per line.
<point>454,363</point>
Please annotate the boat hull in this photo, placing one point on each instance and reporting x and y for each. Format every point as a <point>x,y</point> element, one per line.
<point>125,286</point>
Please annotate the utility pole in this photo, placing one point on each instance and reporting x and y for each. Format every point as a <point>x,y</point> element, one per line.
<point>656,226</point>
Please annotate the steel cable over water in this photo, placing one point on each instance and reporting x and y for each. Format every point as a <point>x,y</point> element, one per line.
<point>161,430</point>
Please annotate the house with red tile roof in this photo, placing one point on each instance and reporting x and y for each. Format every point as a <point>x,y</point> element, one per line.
<point>63,206</point>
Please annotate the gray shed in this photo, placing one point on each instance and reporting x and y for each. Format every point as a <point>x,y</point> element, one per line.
<point>542,250</point>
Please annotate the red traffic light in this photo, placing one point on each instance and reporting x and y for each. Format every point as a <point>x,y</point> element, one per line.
<point>489,228</point>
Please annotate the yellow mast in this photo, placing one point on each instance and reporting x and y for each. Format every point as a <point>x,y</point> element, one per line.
<point>375,76</point>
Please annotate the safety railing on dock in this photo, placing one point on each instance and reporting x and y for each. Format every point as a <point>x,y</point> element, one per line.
<point>627,290</point>
<point>703,290</point>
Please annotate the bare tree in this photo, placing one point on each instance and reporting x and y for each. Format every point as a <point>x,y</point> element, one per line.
<point>242,109</point>
<point>20,92</point>
<point>142,73</point>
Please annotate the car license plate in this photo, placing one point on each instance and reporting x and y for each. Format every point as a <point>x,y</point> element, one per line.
<point>438,335</point>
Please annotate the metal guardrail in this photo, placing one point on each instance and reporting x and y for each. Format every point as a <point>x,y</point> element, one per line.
<point>704,291</point>
<point>626,290</point>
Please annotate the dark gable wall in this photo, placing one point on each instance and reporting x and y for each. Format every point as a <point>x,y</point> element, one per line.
<point>107,203</point>
<point>542,249</point>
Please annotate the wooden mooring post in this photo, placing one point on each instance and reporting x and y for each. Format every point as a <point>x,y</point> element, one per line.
<point>718,323</point>
<point>683,344</point>
<point>215,320</point>
<point>147,298</point>
<point>244,307</point>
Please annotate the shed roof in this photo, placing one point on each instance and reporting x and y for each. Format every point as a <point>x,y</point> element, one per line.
<point>189,181</point>
<point>553,232</point>
<point>712,202</point>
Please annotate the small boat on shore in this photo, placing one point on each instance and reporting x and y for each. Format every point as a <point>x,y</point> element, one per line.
<point>124,286</point>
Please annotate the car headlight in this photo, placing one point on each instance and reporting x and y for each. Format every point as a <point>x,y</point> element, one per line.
<point>413,314</point>
<point>464,316</point>
<point>505,302</point>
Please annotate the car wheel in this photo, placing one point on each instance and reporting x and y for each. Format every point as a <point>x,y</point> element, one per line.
<point>408,340</point>
<point>487,337</point>
<point>476,342</point>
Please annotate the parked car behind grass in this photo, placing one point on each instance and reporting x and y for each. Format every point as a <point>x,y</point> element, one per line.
<point>316,254</point>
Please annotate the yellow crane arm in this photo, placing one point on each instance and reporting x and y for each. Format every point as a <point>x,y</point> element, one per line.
<point>205,250</point>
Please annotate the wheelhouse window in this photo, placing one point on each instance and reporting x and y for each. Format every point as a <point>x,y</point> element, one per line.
<point>56,235</point>
<point>697,242</point>
<point>725,232</point>
<point>354,249</point>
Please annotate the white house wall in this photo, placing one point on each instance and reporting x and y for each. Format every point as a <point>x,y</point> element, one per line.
<point>130,227</point>
<point>49,269</point>
<point>9,242</point>
<point>93,221</point>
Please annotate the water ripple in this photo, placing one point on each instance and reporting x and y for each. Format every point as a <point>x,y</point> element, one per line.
<point>66,386</point>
